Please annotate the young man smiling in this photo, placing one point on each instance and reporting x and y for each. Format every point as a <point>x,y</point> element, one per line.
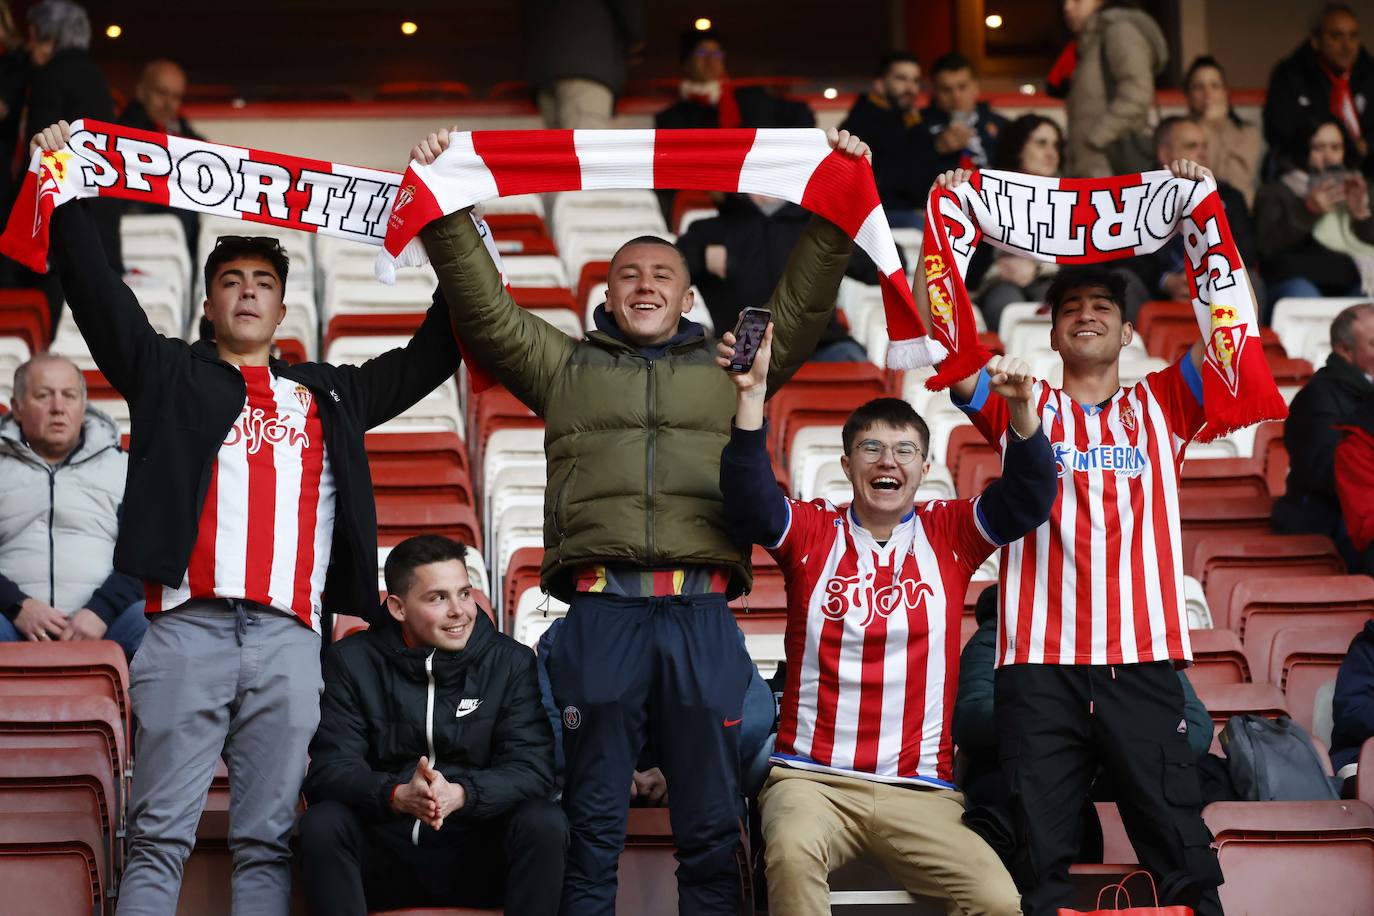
<point>1092,620</point>
<point>431,774</point>
<point>635,537</point>
<point>249,512</point>
<point>864,758</point>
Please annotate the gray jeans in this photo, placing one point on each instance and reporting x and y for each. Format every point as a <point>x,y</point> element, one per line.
<point>214,678</point>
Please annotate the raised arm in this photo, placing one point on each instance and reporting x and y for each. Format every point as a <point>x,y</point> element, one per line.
<point>805,296</point>
<point>122,342</point>
<point>520,350</point>
<point>1020,500</point>
<point>388,384</point>
<point>755,508</point>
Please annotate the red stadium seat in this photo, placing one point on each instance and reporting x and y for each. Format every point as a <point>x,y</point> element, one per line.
<point>97,386</point>
<point>540,298</point>
<point>1226,700</point>
<point>396,456</point>
<point>402,514</point>
<point>1220,561</point>
<point>366,324</point>
<point>1203,515</point>
<point>1162,312</point>
<point>423,90</point>
<point>521,233</point>
<point>1273,346</point>
<point>50,864</point>
<point>969,458</point>
<point>1364,782</point>
<point>1301,660</point>
<point>1289,371</point>
<point>1261,608</point>
<point>79,667</point>
<point>1295,857</point>
<point>1230,477</point>
<point>71,780</point>
<point>689,200</point>
<point>65,721</point>
<point>291,350</point>
<point>1217,658</point>
<point>493,408</point>
<point>1271,450</point>
<point>347,625</point>
<point>593,273</point>
<point>24,314</point>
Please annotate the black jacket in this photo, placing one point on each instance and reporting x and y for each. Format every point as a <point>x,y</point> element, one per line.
<point>1352,705</point>
<point>1300,92</point>
<point>580,39</point>
<point>935,121</point>
<point>1332,397</point>
<point>489,733</point>
<point>757,247</point>
<point>183,400</point>
<point>758,107</point>
<point>901,150</point>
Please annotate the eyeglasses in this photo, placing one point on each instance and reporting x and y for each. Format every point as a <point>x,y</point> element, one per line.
<point>265,241</point>
<point>871,450</point>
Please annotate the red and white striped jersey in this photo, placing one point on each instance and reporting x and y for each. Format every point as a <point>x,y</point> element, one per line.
<point>1101,582</point>
<point>267,525</point>
<point>873,640</point>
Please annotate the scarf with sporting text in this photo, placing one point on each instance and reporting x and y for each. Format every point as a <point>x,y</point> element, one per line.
<point>796,165</point>
<point>109,160</point>
<point>1091,220</point>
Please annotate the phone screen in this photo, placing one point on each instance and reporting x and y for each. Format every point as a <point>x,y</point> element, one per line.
<point>748,338</point>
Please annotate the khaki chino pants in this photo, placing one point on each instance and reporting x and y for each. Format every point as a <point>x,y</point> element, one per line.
<point>813,823</point>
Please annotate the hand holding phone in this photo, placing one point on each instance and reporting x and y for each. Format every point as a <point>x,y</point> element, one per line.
<point>748,337</point>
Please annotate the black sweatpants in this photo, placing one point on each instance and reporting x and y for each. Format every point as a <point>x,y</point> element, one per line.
<point>1057,724</point>
<point>350,867</point>
<point>672,669</point>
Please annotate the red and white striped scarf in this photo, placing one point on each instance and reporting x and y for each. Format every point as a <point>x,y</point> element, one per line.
<point>108,160</point>
<point>1091,220</point>
<point>795,165</point>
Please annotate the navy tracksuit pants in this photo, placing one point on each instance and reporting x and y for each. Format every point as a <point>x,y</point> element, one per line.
<point>672,669</point>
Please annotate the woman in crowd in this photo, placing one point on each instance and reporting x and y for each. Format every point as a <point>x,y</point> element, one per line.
<point>1232,144</point>
<point>1034,145</point>
<point>1313,223</point>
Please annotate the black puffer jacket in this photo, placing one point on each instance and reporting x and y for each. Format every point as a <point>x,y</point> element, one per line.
<point>487,731</point>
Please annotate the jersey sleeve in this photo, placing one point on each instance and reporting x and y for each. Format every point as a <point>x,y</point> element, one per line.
<point>958,527</point>
<point>988,411</point>
<point>806,522</point>
<point>1178,389</point>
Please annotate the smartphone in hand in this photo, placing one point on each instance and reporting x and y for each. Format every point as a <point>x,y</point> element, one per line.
<point>748,338</point>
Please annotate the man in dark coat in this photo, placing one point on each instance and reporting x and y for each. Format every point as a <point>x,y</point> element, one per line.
<point>1332,398</point>
<point>431,775</point>
<point>1330,74</point>
<point>963,131</point>
<point>709,99</point>
<point>738,257</point>
<point>156,107</point>
<point>887,117</point>
<point>1352,706</point>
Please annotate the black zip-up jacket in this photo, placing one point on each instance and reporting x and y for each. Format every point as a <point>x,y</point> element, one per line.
<point>476,714</point>
<point>183,400</point>
<point>1300,93</point>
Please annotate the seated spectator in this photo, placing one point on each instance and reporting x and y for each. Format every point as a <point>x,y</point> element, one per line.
<point>1337,395</point>
<point>737,258</point>
<point>649,787</point>
<point>1120,51</point>
<point>1313,223</point>
<point>156,107</point>
<point>1352,708</point>
<point>61,486</point>
<point>962,130</point>
<point>1330,75</point>
<point>1233,145</point>
<point>1163,273</point>
<point>886,116</point>
<point>873,590</point>
<point>1034,145</point>
<point>431,774</point>
<point>710,100</point>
